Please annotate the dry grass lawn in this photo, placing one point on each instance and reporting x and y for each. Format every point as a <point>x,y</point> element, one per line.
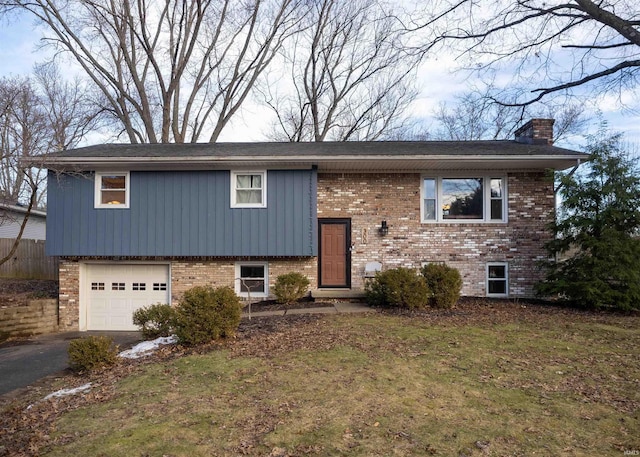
<point>496,379</point>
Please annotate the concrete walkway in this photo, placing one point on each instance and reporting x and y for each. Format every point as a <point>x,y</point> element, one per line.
<point>335,308</point>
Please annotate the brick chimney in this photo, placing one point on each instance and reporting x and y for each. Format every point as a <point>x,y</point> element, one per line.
<point>536,131</point>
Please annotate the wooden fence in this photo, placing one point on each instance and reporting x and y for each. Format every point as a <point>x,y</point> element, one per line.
<point>28,262</point>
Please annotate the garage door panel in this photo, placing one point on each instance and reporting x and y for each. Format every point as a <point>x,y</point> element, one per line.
<point>115,291</point>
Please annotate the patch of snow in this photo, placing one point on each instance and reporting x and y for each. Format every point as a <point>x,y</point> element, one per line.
<point>147,347</point>
<point>66,392</point>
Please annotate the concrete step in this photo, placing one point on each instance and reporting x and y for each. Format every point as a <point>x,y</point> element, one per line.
<point>338,293</point>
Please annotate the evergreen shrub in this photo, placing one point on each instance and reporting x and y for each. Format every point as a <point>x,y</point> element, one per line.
<point>398,287</point>
<point>206,314</point>
<point>155,320</point>
<point>290,287</point>
<point>445,284</point>
<point>92,352</point>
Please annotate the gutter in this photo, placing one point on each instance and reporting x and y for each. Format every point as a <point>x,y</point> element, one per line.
<point>88,162</point>
<point>573,170</point>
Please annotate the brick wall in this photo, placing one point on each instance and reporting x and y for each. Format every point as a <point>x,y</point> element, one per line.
<point>186,274</point>
<point>69,295</point>
<point>369,198</point>
<point>35,318</point>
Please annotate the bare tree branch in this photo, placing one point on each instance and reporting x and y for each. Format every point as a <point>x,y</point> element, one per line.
<point>604,39</point>
<point>348,77</point>
<point>171,70</point>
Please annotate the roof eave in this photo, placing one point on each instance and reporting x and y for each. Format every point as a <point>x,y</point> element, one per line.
<point>324,163</point>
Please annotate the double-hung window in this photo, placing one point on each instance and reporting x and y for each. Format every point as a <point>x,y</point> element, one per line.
<point>248,189</point>
<point>497,279</point>
<point>463,199</point>
<point>252,278</point>
<point>111,190</point>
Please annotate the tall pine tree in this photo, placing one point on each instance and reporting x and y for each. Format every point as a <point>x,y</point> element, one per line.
<point>598,232</point>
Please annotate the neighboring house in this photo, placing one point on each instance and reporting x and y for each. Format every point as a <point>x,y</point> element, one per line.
<point>140,224</point>
<point>11,218</point>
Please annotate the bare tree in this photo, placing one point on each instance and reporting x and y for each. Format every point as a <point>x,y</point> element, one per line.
<point>348,77</point>
<point>476,116</point>
<point>37,116</point>
<point>173,70</point>
<point>552,47</point>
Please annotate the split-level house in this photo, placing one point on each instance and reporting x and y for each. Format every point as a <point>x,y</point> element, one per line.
<point>140,224</point>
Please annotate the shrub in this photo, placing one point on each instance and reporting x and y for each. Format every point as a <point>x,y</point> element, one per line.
<point>155,320</point>
<point>290,287</point>
<point>445,284</point>
<point>401,287</point>
<point>92,352</point>
<point>205,314</point>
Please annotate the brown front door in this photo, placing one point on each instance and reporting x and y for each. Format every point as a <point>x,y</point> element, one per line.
<point>335,265</point>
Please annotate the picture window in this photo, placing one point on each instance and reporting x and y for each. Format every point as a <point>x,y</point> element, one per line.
<point>463,199</point>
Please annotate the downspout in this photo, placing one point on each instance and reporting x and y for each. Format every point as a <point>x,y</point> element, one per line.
<point>573,170</point>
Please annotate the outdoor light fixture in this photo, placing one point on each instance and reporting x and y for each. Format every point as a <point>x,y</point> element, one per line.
<point>384,228</point>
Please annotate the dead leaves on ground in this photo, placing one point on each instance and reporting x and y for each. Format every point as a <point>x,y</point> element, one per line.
<point>27,422</point>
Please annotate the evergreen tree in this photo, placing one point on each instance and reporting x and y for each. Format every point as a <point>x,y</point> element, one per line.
<point>599,223</point>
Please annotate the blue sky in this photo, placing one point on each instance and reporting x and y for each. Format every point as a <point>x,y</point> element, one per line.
<point>19,51</point>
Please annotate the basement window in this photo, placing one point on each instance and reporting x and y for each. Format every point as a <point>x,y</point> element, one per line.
<point>252,278</point>
<point>497,279</point>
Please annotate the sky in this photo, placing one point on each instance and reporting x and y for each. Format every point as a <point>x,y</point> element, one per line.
<point>436,79</point>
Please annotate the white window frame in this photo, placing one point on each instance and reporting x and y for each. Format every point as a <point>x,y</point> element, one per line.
<point>98,189</point>
<point>505,279</point>
<point>238,281</point>
<point>233,181</point>
<point>486,200</point>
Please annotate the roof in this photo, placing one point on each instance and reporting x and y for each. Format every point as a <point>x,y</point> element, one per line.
<point>22,209</point>
<point>326,156</point>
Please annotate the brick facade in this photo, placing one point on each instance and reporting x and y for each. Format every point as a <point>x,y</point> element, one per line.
<point>186,273</point>
<point>68,295</point>
<point>367,199</point>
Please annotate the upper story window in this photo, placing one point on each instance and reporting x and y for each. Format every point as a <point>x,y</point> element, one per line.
<point>463,199</point>
<point>112,190</point>
<point>248,189</point>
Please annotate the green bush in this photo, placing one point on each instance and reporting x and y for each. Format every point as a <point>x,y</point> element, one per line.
<point>205,314</point>
<point>399,287</point>
<point>92,352</point>
<point>445,284</point>
<point>155,320</point>
<point>290,287</point>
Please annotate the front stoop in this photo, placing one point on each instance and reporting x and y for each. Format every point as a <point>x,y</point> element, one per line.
<point>338,293</point>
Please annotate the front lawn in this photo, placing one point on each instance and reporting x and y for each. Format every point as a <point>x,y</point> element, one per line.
<point>485,379</point>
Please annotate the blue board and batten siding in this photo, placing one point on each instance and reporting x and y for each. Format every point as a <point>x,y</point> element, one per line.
<point>184,213</point>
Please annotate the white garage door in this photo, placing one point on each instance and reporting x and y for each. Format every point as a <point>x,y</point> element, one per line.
<point>115,291</point>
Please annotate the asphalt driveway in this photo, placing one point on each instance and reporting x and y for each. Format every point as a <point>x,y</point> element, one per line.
<point>26,361</point>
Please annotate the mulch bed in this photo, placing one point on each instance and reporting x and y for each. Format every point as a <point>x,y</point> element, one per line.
<point>272,305</point>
